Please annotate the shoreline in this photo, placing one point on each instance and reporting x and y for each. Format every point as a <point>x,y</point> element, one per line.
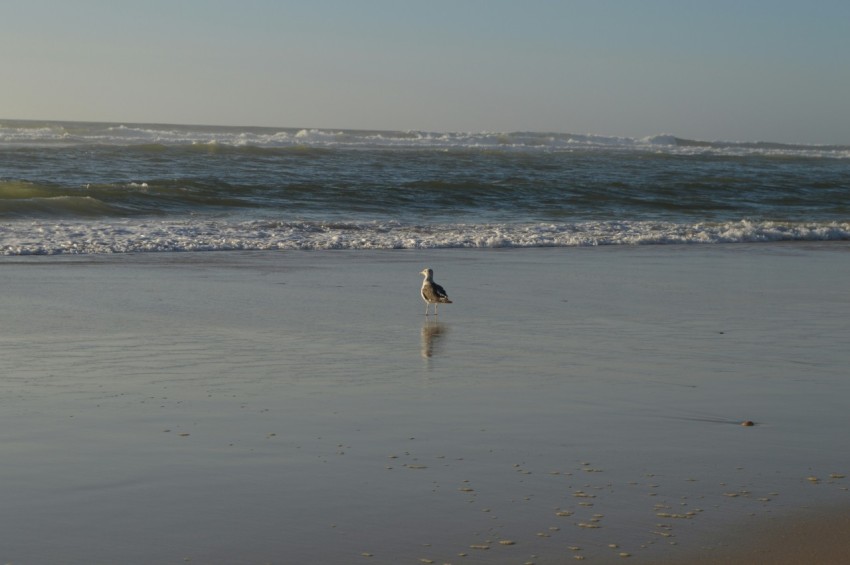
<point>277,406</point>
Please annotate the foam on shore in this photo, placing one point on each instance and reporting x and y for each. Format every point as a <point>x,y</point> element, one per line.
<point>141,236</point>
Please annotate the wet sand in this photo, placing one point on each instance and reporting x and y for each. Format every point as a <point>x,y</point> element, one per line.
<point>806,536</point>
<point>572,404</point>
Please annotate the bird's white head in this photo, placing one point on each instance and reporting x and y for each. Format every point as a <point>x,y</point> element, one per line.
<point>427,273</point>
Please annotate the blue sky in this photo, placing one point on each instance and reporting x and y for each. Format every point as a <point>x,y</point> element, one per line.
<point>721,70</point>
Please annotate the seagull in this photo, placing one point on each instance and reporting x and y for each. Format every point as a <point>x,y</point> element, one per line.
<point>432,293</point>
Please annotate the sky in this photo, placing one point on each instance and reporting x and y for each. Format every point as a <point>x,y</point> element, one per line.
<point>741,70</point>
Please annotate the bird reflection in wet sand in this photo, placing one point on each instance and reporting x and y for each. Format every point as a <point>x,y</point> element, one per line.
<point>432,336</point>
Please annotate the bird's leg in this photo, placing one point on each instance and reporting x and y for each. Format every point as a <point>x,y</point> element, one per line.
<point>426,308</point>
<point>436,308</point>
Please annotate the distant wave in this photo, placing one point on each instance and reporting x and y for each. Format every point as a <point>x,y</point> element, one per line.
<point>17,132</point>
<point>55,238</point>
<point>25,199</point>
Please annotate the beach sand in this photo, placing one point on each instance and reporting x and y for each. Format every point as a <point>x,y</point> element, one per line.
<point>297,407</point>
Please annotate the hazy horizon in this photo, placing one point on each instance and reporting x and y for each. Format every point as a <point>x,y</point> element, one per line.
<point>723,71</point>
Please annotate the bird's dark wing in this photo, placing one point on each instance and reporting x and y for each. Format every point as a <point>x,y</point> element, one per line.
<point>439,291</point>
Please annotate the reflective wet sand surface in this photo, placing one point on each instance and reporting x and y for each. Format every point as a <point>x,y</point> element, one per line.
<point>572,404</point>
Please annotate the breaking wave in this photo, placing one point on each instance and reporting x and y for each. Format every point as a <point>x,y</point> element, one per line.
<point>18,132</point>
<point>39,238</point>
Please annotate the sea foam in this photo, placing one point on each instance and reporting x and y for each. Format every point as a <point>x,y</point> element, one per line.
<point>37,238</point>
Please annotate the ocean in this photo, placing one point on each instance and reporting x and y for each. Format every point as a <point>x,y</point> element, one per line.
<point>73,187</point>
